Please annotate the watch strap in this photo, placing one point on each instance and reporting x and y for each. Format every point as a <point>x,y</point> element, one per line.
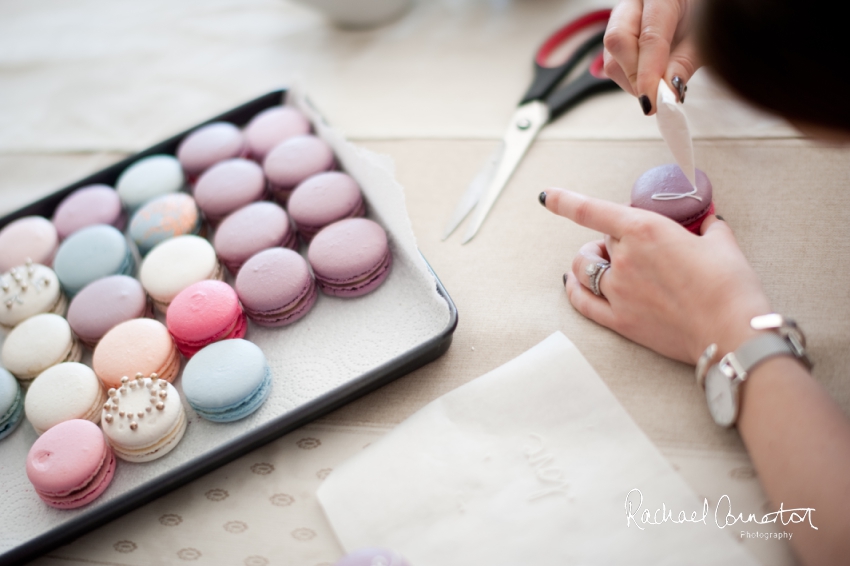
<point>762,347</point>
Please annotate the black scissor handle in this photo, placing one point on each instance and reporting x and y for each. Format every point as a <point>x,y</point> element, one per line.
<point>591,81</point>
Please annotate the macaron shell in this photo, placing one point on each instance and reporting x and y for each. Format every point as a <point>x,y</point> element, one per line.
<point>11,403</point>
<point>371,557</point>
<point>323,199</point>
<point>175,264</point>
<point>141,345</point>
<point>37,343</point>
<point>276,287</point>
<point>149,178</point>
<point>250,230</point>
<point>210,144</point>
<point>228,186</point>
<point>105,303</point>
<point>88,493</point>
<point>202,313</point>
<point>92,253</point>
<point>272,126</point>
<point>29,238</point>
<point>28,290</point>
<point>669,179</point>
<point>61,393</point>
<point>162,218</point>
<point>87,206</point>
<point>297,158</point>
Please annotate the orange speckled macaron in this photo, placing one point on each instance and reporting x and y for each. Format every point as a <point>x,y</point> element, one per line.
<point>140,345</point>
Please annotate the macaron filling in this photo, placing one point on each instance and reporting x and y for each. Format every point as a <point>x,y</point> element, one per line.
<point>10,420</point>
<point>359,285</point>
<point>90,491</point>
<point>240,409</point>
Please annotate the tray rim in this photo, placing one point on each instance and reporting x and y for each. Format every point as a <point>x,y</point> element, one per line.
<point>413,359</point>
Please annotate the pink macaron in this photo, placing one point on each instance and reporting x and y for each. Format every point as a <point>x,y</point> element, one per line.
<point>324,199</point>
<point>228,186</point>
<point>272,126</point>
<point>93,204</point>
<point>252,229</point>
<point>289,163</point>
<point>31,238</point>
<point>276,287</point>
<point>203,313</point>
<point>71,464</point>
<point>350,257</point>
<point>208,145</point>
<point>104,304</point>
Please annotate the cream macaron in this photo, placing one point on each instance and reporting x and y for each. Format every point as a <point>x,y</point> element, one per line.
<point>37,343</point>
<point>175,264</point>
<point>28,290</point>
<point>138,345</point>
<point>143,419</point>
<point>63,392</point>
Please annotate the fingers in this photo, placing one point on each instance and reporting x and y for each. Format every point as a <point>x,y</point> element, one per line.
<point>589,254</point>
<point>684,61</point>
<point>589,305</point>
<point>593,213</point>
<point>615,73</point>
<point>713,227</point>
<point>621,44</point>
<point>659,21</point>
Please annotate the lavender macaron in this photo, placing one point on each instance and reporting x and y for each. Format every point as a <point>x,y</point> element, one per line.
<point>371,557</point>
<point>291,162</point>
<point>228,186</point>
<point>31,238</point>
<point>666,190</point>
<point>324,199</point>
<point>272,126</point>
<point>275,287</point>
<point>350,258</point>
<point>93,204</point>
<point>208,145</point>
<point>104,304</point>
<point>252,229</point>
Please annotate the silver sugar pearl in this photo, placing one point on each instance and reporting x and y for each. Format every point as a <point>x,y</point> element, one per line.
<point>9,303</point>
<point>24,285</point>
<point>132,384</point>
<point>148,409</point>
<point>160,406</point>
<point>122,414</point>
<point>163,384</point>
<point>153,400</point>
<point>112,392</point>
<point>134,425</point>
<point>123,390</point>
<point>125,379</point>
<point>140,414</point>
<point>108,417</point>
<point>163,394</point>
<point>149,384</point>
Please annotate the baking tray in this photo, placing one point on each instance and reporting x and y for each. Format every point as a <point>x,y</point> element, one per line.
<point>65,526</point>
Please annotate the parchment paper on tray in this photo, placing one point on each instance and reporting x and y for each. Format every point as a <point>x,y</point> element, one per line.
<point>531,463</point>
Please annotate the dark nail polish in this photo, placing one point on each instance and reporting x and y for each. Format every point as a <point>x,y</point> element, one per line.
<point>565,279</point>
<point>720,217</point>
<point>645,104</point>
<point>542,198</point>
<point>679,85</point>
<point>684,92</point>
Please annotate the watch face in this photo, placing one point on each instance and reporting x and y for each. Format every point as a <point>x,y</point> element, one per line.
<point>721,396</point>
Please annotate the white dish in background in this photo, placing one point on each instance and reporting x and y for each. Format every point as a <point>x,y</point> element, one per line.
<point>359,14</point>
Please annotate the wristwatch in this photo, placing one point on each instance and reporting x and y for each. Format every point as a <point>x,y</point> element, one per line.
<point>723,380</point>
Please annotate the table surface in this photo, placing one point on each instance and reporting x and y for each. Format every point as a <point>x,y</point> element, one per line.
<point>82,85</point>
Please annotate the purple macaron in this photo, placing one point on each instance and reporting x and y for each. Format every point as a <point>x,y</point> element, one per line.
<point>272,126</point>
<point>208,145</point>
<point>666,190</point>
<point>29,238</point>
<point>324,199</point>
<point>275,287</point>
<point>94,204</point>
<point>289,163</point>
<point>350,257</point>
<point>252,229</point>
<point>371,557</point>
<point>104,304</point>
<point>228,186</point>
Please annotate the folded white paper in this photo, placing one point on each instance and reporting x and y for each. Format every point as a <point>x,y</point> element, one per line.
<point>673,125</point>
<point>533,463</point>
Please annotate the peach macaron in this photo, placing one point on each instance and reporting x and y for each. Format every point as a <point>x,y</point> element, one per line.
<point>140,345</point>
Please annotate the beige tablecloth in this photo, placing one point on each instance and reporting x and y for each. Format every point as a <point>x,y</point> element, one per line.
<point>83,83</point>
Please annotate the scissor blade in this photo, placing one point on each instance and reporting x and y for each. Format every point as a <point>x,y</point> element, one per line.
<point>473,191</point>
<point>527,121</point>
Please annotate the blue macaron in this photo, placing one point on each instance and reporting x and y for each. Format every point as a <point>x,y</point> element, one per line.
<point>227,380</point>
<point>91,253</point>
<point>11,403</point>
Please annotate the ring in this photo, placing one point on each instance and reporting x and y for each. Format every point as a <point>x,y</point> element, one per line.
<point>595,271</point>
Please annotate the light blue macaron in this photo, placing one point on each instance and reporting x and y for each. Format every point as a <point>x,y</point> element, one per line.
<point>11,403</point>
<point>227,380</point>
<point>91,253</point>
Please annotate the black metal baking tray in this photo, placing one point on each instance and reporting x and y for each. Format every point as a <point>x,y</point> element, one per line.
<point>396,367</point>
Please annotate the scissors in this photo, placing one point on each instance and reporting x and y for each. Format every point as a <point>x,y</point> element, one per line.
<point>541,104</point>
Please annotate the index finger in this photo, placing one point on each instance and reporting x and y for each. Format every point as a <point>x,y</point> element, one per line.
<point>658,28</point>
<point>596,214</point>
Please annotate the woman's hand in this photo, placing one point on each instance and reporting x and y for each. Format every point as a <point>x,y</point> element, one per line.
<point>667,289</point>
<point>648,40</point>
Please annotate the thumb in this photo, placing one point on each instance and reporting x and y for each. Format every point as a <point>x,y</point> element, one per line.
<point>683,63</point>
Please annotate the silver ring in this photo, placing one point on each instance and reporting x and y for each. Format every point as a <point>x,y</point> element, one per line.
<point>595,271</point>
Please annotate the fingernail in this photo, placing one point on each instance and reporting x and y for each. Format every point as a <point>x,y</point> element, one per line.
<point>684,92</point>
<point>679,85</point>
<point>565,279</point>
<point>645,104</point>
<point>720,217</point>
<point>542,198</point>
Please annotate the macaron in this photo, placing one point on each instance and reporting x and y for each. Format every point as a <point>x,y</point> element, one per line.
<point>29,238</point>
<point>323,199</point>
<point>175,264</point>
<point>143,419</point>
<point>252,229</point>
<point>63,392</point>
<point>290,162</point>
<point>227,381</point>
<point>104,304</point>
<point>37,343</point>
<point>228,186</point>
<point>350,257</point>
<point>149,178</point>
<point>70,465</point>
<point>372,556</point>
<point>11,403</point>
<point>141,345</point>
<point>276,287</point>
<point>93,204</point>
<point>208,145</point>
<point>164,217</point>
<point>666,190</point>
<point>203,313</point>
<point>272,126</point>
<point>91,253</point>
<point>28,290</point>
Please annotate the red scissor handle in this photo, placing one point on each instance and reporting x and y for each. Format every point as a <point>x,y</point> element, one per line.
<point>568,31</point>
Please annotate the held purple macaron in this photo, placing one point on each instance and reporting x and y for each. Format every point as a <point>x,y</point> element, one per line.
<point>324,199</point>
<point>291,162</point>
<point>666,190</point>
<point>272,126</point>
<point>276,287</point>
<point>252,229</point>
<point>350,258</point>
